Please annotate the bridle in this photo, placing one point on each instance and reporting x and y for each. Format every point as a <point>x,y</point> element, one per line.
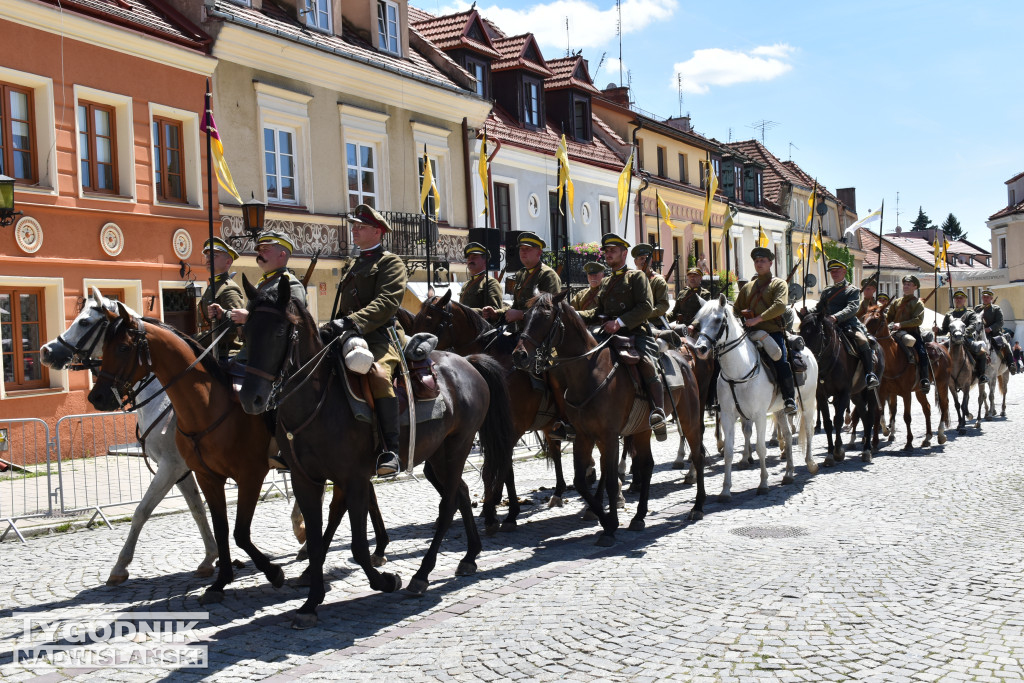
<point>543,351</point>
<point>447,327</point>
<point>82,352</point>
<point>721,345</point>
<point>290,352</point>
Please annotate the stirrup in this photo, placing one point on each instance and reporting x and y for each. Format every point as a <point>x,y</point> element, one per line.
<point>871,380</point>
<point>926,385</point>
<point>789,405</point>
<point>276,462</point>
<point>658,424</point>
<point>388,464</point>
<point>562,431</point>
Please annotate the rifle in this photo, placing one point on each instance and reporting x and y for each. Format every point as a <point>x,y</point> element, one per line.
<point>309,271</point>
<point>672,268</point>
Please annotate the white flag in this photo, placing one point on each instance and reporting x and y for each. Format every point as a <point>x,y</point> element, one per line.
<point>866,222</point>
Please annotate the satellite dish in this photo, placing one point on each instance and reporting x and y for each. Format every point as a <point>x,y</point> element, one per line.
<point>810,280</point>
<point>796,292</point>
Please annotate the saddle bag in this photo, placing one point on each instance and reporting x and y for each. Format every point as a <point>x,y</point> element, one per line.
<point>424,380</point>
<point>625,349</point>
<point>796,360</point>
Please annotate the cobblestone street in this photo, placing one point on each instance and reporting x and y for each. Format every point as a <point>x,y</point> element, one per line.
<point>909,568</point>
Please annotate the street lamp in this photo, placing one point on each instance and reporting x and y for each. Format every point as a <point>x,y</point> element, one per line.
<point>659,257</point>
<point>7,212</point>
<point>253,212</point>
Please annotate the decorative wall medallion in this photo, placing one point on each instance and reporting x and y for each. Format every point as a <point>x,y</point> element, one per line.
<point>182,242</point>
<point>29,235</point>
<point>585,213</point>
<point>111,239</point>
<point>533,204</point>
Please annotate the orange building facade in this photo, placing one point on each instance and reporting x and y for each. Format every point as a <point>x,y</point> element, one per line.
<point>101,130</point>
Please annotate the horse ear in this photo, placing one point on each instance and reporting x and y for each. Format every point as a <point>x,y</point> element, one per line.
<point>446,298</point>
<point>123,312</point>
<point>96,296</point>
<point>284,291</point>
<point>560,297</point>
<point>722,301</point>
<point>250,291</point>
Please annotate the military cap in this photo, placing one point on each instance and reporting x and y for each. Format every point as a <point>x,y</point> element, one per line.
<point>695,271</point>
<point>610,239</point>
<point>960,292</point>
<point>593,267</point>
<point>762,252</point>
<point>987,292</point>
<point>367,215</point>
<point>883,298</point>
<point>911,278</point>
<point>476,248</point>
<point>835,263</point>
<point>278,238</point>
<point>641,250</point>
<point>869,282</point>
<point>531,240</point>
<point>220,245</point>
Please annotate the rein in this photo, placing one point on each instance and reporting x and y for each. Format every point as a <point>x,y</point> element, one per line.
<point>722,346</point>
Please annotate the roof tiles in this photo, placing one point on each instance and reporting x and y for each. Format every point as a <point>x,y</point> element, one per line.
<point>500,125</point>
<point>565,75</point>
<point>891,258</point>
<point>451,31</point>
<point>151,17</point>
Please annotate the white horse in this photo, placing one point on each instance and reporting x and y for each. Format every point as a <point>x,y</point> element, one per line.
<point>745,391</point>
<point>998,372</point>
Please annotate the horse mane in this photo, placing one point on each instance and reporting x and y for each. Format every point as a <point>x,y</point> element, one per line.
<point>214,366</point>
<point>480,325</point>
<point>546,301</point>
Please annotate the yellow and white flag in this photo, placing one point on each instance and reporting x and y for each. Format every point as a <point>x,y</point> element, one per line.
<point>482,170</point>
<point>663,211</point>
<point>429,187</point>
<point>810,203</point>
<point>220,164</point>
<point>762,237</point>
<point>941,249</point>
<point>564,181</point>
<point>625,179</point>
<point>711,188</point>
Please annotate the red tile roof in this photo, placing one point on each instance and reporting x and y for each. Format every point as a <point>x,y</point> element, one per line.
<point>1008,211</point>
<point>923,249</point>
<point>809,181</point>
<point>152,17</point>
<point>500,125</point>
<point>891,258</point>
<point>776,174</point>
<point>277,22</point>
<point>567,72</point>
<point>512,55</point>
<point>1015,178</point>
<point>451,31</point>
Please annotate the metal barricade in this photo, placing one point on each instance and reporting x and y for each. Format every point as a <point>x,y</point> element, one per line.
<point>26,484</point>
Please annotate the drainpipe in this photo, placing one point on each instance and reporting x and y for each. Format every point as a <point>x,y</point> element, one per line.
<point>470,216</point>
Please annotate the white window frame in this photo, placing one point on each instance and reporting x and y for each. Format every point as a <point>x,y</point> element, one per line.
<point>53,300</point>
<point>613,223</point>
<point>436,141</point>
<point>360,170</point>
<point>124,132</point>
<point>528,114</point>
<point>45,129</point>
<point>513,201</point>
<point>193,160</point>
<point>369,128</point>
<point>278,131</point>
<point>386,4</point>
<point>287,110</point>
<point>315,10</point>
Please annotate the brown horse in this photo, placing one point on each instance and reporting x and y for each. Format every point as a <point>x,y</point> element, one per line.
<point>900,380</point>
<point>962,376</point>
<point>462,330</point>
<point>598,396</point>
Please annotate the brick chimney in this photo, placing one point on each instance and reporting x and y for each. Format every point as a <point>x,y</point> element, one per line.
<point>848,196</point>
<point>617,94</point>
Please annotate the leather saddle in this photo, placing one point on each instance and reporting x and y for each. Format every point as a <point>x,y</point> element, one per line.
<point>625,350</point>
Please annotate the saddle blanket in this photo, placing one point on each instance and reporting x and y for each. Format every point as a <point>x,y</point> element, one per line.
<point>426,410</point>
<point>673,373</point>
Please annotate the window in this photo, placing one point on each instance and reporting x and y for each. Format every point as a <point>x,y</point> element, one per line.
<point>682,168</point>
<point>97,147</point>
<point>1002,252</point>
<point>169,160</point>
<point>502,207</point>
<point>736,257</point>
<point>21,335</point>
<point>606,217</point>
<point>318,14</point>
<point>362,175</point>
<point>556,222</point>
<point>581,120</point>
<point>531,103</point>
<point>480,72</point>
<point>279,163</point>
<point>1013,197</point>
<point>661,162</point>
<point>429,206</point>
<point>17,139</point>
<point>387,27</point>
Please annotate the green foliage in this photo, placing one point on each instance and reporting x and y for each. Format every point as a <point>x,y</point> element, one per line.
<point>922,222</point>
<point>839,251</point>
<point>951,226</point>
<point>727,281</point>
<point>691,260</point>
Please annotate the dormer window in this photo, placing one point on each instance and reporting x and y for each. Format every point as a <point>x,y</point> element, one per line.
<point>581,120</point>
<point>318,14</point>
<point>531,102</point>
<point>481,72</point>
<point>387,27</point>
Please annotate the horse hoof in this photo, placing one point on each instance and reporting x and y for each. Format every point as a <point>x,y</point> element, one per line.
<point>492,528</point>
<point>942,439</point>
<point>865,456</point>
<point>696,515</point>
<point>621,503</point>
<point>637,525</point>
<point>840,455</point>
<point>555,502</point>
<point>203,571</point>
<point>589,515</point>
<point>466,568</point>
<point>812,468</point>
<point>909,448</point>
<point>988,418</point>
<point>300,581</point>
<point>378,560</point>
<point>509,525</point>
<point>689,481</point>
<point>417,587</point>
<point>680,465</point>
<point>788,479</point>
<point>118,579</point>
<point>633,488</point>
<point>927,443</point>
<point>302,555</point>
<point>605,541</point>
<point>761,490</point>
<point>829,461</point>
<point>961,432</point>
<point>303,621</point>
<point>724,497</point>
<point>393,582</point>
<point>211,597</point>
<point>275,576</point>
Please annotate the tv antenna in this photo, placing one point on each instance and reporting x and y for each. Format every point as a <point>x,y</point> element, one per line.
<point>599,65</point>
<point>618,30</point>
<point>568,49</point>
<point>764,125</point>
<point>791,148</point>
<point>679,87</point>
<point>730,133</point>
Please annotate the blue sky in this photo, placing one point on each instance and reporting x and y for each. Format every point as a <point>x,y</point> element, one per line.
<point>920,98</point>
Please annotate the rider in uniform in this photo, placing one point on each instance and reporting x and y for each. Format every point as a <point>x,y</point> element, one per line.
<point>761,304</point>
<point>481,290</point>
<point>883,300</point>
<point>692,297</point>
<point>840,302</point>
<point>625,303</point>
<point>229,296</point>
<point>993,317</point>
<point>533,276</point>
<point>371,294</point>
<point>868,289</point>
<point>587,298</point>
<point>906,315</point>
<point>643,259</point>
<point>961,312</point>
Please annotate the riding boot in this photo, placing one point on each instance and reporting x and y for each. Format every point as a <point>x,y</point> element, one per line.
<point>656,394</point>
<point>788,393</point>
<point>387,421</point>
<point>870,379</point>
<point>922,373</point>
<point>1004,351</point>
<point>981,361</point>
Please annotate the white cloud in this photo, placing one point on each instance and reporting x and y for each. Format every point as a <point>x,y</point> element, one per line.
<point>716,66</point>
<point>589,26</point>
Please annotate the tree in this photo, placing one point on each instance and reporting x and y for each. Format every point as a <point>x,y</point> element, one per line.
<point>951,226</point>
<point>922,222</point>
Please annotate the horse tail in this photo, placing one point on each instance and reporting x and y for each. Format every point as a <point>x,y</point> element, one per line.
<point>497,438</point>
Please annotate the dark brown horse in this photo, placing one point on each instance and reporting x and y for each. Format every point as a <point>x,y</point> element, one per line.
<point>462,330</point>
<point>599,397</point>
<point>285,349</point>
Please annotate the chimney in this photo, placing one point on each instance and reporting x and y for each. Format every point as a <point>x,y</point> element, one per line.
<point>679,122</point>
<point>617,94</point>
<point>848,196</point>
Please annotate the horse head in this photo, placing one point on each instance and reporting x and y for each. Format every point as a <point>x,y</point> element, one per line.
<point>874,321</point>
<point>711,321</point>
<point>815,328</point>
<point>543,329</point>
<point>82,342</point>
<point>125,357</point>
<point>436,318</point>
<point>957,331</point>
<point>269,334</point>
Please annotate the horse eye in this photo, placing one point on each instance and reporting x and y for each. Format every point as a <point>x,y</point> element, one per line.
<point>123,348</point>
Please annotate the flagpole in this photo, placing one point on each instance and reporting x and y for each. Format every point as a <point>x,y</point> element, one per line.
<point>878,272</point>
<point>810,245</point>
<point>949,274</point>
<point>728,241</point>
<point>209,207</point>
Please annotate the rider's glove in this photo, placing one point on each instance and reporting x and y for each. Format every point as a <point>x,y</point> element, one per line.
<point>335,328</point>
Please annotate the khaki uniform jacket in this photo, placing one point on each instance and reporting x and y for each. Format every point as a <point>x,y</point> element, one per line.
<point>767,298</point>
<point>908,311</point>
<point>626,296</point>
<point>659,294</point>
<point>688,303</point>
<point>271,279</point>
<point>993,317</point>
<point>371,294</point>
<point>965,314</point>
<point>840,300</point>
<point>229,296</point>
<point>482,290</point>
<point>543,278</point>
<point>586,298</point>
<point>865,303</point>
